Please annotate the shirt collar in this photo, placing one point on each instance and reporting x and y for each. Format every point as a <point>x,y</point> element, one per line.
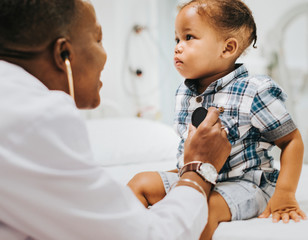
<point>216,86</point>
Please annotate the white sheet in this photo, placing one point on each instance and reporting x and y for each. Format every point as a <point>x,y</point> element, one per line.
<point>117,141</point>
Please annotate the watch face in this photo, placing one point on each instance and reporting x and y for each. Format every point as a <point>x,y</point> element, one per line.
<point>204,169</point>
<point>208,172</point>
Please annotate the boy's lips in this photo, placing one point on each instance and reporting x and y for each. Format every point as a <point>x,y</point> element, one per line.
<point>177,61</point>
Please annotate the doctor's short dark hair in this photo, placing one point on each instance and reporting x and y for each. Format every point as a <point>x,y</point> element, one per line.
<point>232,18</point>
<point>30,23</point>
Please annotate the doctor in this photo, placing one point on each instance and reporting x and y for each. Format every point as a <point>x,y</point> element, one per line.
<point>51,57</point>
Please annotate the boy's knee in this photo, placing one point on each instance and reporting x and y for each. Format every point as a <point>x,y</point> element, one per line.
<point>140,182</point>
<point>218,208</point>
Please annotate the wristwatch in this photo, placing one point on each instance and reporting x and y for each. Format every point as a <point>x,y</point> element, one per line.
<point>206,170</point>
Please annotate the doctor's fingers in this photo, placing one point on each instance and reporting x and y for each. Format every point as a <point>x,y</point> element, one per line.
<point>191,133</point>
<point>211,118</point>
<point>211,127</point>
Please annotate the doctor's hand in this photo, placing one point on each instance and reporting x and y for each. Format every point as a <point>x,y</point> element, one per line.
<point>208,143</point>
<point>283,206</point>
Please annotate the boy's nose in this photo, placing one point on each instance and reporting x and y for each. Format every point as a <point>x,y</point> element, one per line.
<point>178,49</point>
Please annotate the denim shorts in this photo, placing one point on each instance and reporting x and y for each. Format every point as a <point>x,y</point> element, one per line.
<point>247,195</point>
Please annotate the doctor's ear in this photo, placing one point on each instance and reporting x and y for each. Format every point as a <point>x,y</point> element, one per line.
<point>62,51</point>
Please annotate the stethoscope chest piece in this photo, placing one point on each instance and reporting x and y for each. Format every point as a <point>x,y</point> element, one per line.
<point>198,116</point>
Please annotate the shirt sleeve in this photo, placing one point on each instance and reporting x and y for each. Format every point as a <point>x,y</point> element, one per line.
<point>53,189</point>
<point>269,113</point>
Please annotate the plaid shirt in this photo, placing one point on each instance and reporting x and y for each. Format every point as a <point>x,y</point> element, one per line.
<point>253,110</point>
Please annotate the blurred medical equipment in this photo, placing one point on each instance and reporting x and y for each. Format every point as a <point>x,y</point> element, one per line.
<point>141,72</point>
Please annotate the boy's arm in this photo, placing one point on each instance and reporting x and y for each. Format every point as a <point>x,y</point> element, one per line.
<point>283,204</point>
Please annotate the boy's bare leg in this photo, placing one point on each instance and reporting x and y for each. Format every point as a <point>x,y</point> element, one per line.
<point>148,187</point>
<point>218,212</point>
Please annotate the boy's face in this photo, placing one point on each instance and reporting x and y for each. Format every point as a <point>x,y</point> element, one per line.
<point>199,49</point>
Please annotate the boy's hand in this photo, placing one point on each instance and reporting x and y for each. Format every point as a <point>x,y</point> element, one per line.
<point>283,206</point>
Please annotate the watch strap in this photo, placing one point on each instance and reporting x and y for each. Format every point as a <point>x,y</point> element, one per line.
<point>196,166</point>
<point>192,166</point>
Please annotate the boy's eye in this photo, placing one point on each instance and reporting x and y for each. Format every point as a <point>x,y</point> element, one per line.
<point>189,37</point>
<point>177,40</point>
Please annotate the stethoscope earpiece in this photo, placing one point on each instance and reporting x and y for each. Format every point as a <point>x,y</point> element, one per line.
<point>65,55</point>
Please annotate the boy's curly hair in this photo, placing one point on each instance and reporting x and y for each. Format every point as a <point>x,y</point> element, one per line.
<point>231,18</point>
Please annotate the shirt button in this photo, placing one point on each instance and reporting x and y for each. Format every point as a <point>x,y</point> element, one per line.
<point>221,109</point>
<point>219,88</point>
<point>199,99</point>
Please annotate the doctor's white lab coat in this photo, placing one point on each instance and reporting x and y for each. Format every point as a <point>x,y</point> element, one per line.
<point>51,188</point>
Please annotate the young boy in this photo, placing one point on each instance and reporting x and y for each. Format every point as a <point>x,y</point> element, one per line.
<point>210,36</point>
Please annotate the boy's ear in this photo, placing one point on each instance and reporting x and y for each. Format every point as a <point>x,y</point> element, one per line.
<point>230,48</point>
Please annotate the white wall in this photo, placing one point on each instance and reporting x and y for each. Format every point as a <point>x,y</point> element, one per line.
<point>269,14</point>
